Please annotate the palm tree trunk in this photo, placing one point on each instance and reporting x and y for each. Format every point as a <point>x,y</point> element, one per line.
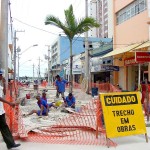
<point>71,62</point>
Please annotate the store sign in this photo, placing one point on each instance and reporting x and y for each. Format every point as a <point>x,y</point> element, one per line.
<point>110,68</point>
<point>99,68</point>
<point>96,61</point>
<point>123,114</point>
<point>129,61</point>
<point>142,57</point>
<point>77,69</point>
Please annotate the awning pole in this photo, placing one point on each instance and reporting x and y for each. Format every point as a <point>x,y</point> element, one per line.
<point>139,76</point>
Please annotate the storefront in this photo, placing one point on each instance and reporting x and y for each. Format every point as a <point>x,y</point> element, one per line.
<point>137,69</point>
<point>103,73</point>
<point>133,62</point>
<point>76,72</point>
<point>98,71</point>
<point>133,73</point>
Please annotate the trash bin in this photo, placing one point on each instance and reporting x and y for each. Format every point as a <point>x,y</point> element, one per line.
<point>27,96</point>
<point>94,91</point>
<point>35,87</point>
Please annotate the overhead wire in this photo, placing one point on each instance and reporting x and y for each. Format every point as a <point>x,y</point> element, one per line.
<point>77,7</point>
<point>40,29</point>
<point>56,33</point>
<point>34,26</point>
<point>52,32</point>
<point>74,3</point>
<point>65,37</point>
<point>46,31</point>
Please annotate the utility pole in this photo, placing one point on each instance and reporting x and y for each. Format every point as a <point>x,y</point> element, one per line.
<point>15,50</point>
<point>15,38</point>
<point>18,50</point>
<point>39,73</point>
<point>86,50</point>
<point>4,38</point>
<point>33,73</point>
<point>48,69</point>
<point>18,66</point>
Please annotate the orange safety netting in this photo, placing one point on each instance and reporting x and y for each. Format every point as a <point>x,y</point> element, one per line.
<point>44,84</point>
<point>105,87</point>
<point>77,128</point>
<point>12,113</point>
<point>84,127</point>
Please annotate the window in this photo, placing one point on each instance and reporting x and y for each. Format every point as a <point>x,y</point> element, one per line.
<point>131,10</point>
<point>136,9</point>
<point>142,5</point>
<point>124,16</point>
<point>128,13</point>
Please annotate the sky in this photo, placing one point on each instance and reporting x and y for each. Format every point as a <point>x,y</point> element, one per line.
<point>28,20</point>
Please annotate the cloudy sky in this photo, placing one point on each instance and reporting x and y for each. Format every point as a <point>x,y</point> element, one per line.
<point>28,17</point>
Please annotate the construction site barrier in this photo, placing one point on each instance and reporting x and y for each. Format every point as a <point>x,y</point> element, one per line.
<point>77,128</point>
<point>83,127</point>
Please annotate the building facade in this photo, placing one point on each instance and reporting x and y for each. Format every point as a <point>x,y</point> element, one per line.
<point>60,55</point>
<point>130,27</point>
<point>101,10</point>
<point>6,41</point>
<point>102,68</point>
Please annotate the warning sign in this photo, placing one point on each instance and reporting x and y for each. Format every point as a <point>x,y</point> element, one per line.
<point>123,114</point>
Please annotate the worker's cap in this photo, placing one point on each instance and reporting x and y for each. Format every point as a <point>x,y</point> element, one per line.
<point>43,93</point>
<point>1,72</point>
<point>57,76</point>
<point>70,94</point>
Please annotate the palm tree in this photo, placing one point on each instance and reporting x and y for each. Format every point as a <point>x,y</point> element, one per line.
<point>71,27</point>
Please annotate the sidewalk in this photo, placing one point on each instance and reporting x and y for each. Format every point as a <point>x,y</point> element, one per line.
<point>124,143</point>
<point>137,142</point>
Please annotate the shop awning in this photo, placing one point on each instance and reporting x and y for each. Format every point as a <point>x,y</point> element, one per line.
<point>121,50</point>
<point>144,45</point>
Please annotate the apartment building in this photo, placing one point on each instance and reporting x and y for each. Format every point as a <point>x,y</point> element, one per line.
<point>131,35</point>
<point>101,10</point>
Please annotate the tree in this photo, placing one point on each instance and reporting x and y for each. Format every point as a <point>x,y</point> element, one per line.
<point>71,27</point>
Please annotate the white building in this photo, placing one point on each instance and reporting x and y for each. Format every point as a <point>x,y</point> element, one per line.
<point>101,10</point>
<point>76,68</point>
<point>55,57</point>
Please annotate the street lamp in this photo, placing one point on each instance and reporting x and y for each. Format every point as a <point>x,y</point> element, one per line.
<point>19,65</point>
<point>48,69</point>
<point>19,50</point>
<point>25,62</point>
<point>29,48</point>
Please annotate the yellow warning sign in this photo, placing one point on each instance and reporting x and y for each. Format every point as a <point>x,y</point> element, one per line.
<point>123,114</point>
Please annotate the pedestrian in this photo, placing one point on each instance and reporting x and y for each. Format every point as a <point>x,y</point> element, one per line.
<point>70,101</point>
<point>60,86</point>
<point>49,105</point>
<point>43,108</point>
<point>3,82</point>
<point>57,94</point>
<point>36,82</point>
<point>5,131</point>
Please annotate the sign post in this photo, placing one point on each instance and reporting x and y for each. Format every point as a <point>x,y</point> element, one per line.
<point>123,114</point>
